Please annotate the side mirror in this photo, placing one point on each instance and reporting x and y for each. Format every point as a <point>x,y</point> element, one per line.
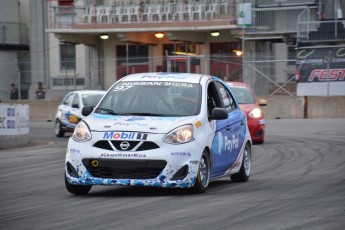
<point>262,102</point>
<point>219,114</point>
<point>75,106</point>
<point>86,110</point>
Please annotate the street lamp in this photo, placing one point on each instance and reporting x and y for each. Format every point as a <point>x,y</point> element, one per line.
<point>214,33</point>
<point>104,36</point>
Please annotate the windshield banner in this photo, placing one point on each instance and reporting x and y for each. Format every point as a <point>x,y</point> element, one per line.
<point>320,64</point>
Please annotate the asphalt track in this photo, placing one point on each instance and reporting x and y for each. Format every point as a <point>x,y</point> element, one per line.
<point>297,182</point>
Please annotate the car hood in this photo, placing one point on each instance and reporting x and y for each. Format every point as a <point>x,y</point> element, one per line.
<point>98,122</point>
<point>247,108</point>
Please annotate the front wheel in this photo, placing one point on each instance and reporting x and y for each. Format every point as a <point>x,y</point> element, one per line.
<point>244,173</point>
<point>204,174</point>
<point>77,189</point>
<point>58,130</point>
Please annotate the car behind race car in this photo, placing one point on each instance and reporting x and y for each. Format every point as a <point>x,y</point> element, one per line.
<point>69,111</point>
<point>250,104</point>
<point>171,130</point>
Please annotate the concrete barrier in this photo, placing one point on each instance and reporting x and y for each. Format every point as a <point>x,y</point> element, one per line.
<point>40,110</point>
<point>295,107</point>
<point>14,125</point>
<point>284,107</point>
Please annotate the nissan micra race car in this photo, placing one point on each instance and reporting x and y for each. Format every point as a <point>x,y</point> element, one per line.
<point>170,130</point>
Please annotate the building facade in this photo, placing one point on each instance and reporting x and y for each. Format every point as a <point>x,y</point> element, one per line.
<point>14,48</point>
<point>255,41</point>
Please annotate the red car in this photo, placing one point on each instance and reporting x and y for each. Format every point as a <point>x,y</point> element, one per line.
<point>249,103</point>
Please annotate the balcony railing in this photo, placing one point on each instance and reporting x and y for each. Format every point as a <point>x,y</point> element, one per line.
<point>133,12</point>
<point>276,20</point>
<point>13,34</point>
<point>310,29</point>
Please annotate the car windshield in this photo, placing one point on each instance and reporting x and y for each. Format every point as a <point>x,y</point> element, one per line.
<point>152,98</point>
<point>91,99</point>
<point>243,95</point>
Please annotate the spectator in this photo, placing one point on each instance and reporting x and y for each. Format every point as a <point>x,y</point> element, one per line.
<point>41,91</point>
<point>14,92</point>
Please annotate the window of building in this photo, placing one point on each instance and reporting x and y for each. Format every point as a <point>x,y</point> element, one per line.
<point>137,54</point>
<point>67,56</point>
<point>66,2</point>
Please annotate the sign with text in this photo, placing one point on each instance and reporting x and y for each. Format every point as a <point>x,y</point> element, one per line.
<point>320,65</point>
<point>14,119</point>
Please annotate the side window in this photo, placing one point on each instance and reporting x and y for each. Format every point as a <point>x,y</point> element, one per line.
<point>226,97</point>
<point>212,98</point>
<point>75,103</point>
<point>67,100</point>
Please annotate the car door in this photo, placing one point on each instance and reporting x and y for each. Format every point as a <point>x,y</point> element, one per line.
<point>229,134</point>
<point>75,109</point>
<point>64,107</point>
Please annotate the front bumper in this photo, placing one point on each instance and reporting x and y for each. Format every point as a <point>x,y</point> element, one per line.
<point>257,129</point>
<point>166,166</point>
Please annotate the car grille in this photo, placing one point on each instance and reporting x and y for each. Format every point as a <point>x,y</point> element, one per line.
<point>133,145</point>
<point>124,169</point>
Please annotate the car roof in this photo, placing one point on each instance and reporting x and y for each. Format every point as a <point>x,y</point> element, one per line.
<point>160,76</point>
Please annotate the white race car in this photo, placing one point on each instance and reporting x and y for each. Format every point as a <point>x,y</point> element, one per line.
<point>171,130</point>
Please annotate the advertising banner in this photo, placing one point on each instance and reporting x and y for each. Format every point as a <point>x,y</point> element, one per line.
<point>320,65</point>
<point>14,119</point>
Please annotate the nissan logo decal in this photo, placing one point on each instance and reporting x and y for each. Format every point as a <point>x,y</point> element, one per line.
<point>124,145</point>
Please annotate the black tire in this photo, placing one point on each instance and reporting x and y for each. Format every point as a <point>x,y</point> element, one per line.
<point>77,189</point>
<point>204,174</point>
<point>244,173</point>
<point>58,131</point>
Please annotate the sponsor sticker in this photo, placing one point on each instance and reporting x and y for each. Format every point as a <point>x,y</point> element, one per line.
<point>181,154</point>
<point>73,119</point>
<point>74,151</point>
<point>130,124</point>
<point>129,155</point>
<point>198,124</point>
<point>125,136</point>
<point>228,143</point>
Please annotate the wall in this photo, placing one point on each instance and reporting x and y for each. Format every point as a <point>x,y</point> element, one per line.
<point>39,110</point>
<point>279,107</point>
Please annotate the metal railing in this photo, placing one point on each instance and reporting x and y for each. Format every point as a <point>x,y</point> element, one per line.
<point>327,30</point>
<point>277,20</point>
<point>309,28</point>
<point>142,12</point>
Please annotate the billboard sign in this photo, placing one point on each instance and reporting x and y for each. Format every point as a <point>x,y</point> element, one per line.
<point>320,65</point>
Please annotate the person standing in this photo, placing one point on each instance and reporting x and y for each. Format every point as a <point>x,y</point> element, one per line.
<point>41,91</point>
<point>14,92</point>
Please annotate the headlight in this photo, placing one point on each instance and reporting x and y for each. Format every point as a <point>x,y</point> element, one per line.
<point>81,132</point>
<point>180,135</point>
<point>255,113</point>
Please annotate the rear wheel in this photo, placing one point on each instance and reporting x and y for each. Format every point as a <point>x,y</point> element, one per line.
<point>204,173</point>
<point>244,173</point>
<point>58,131</point>
<point>77,189</point>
